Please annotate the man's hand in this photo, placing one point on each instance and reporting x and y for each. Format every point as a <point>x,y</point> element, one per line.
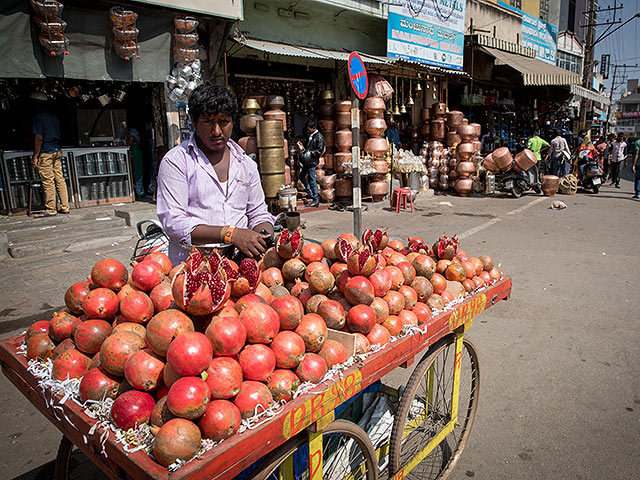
<point>300,146</point>
<point>633,168</point>
<point>35,162</point>
<point>249,242</point>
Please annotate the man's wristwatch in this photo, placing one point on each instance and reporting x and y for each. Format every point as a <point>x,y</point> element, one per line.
<point>227,234</point>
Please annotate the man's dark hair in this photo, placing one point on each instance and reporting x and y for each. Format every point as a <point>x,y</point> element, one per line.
<point>210,99</point>
<point>310,124</point>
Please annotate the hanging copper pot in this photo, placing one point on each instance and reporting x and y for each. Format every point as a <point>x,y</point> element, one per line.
<point>463,186</point>
<point>467,132</point>
<point>478,128</point>
<point>376,146</point>
<point>327,125</point>
<point>381,166</point>
<point>344,140</point>
<point>454,119</point>
<point>375,127</point>
<point>326,111</point>
<point>490,164</point>
<point>276,115</point>
<point>525,160</point>
<point>248,123</point>
<point>502,158</point>
<point>339,159</point>
<point>329,139</point>
<point>374,106</point>
<point>343,120</point>
<point>438,131</point>
<point>342,106</point>
<point>465,169</point>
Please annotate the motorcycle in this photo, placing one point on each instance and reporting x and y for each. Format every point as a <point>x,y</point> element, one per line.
<point>590,175</point>
<point>517,182</point>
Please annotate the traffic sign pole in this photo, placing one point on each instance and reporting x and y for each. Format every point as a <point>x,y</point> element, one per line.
<point>360,86</point>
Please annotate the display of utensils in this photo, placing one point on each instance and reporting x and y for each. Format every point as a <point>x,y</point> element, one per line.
<point>48,17</point>
<point>125,33</point>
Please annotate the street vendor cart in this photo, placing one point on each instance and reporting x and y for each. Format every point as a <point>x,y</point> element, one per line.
<point>307,438</point>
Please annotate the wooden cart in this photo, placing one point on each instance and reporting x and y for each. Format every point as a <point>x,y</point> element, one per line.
<point>305,440</point>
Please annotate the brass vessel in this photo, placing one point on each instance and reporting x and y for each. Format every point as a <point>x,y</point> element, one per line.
<point>270,133</point>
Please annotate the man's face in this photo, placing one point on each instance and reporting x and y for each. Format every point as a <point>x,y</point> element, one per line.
<point>310,130</point>
<point>213,131</point>
<point>620,138</point>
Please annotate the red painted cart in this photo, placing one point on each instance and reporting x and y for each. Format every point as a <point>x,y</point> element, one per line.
<point>305,440</point>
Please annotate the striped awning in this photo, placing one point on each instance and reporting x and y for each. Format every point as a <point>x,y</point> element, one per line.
<point>589,94</point>
<point>534,72</point>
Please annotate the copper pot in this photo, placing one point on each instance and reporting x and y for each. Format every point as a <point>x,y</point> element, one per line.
<point>454,119</point>
<point>379,188</point>
<point>329,139</point>
<point>250,105</point>
<point>276,115</point>
<point>327,195</point>
<point>413,131</point>
<point>328,181</point>
<point>326,111</point>
<point>344,188</point>
<point>444,170</point>
<point>425,115</point>
<point>381,166</point>
<point>376,146</point>
<point>326,97</point>
<point>327,125</point>
<point>478,128</point>
<point>320,174</point>
<point>502,158</point>
<point>477,145</point>
<point>248,123</point>
<point>374,106</point>
<point>466,132</point>
<point>463,186</point>
<point>343,120</point>
<point>342,106</point>
<point>550,185</point>
<point>425,130</point>
<point>328,161</point>
<point>433,172</point>
<point>438,131</point>
<point>464,150</point>
<point>275,102</point>
<point>249,144</point>
<point>525,160</point>
<point>465,169</point>
<point>438,109</point>
<point>344,140</point>
<point>375,127</point>
<point>490,164</point>
<point>453,139</point>
<point>339,160</point>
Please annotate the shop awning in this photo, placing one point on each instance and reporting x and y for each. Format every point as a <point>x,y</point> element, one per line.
<point>534,72</point>
<point>589,94</point>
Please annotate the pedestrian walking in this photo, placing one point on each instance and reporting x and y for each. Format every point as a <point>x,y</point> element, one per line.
<point>618,155</point>
<point>636,185</point>
<point>536,144</point>
<point>309,158</point>
<point>558,153</point>
<point>607,157</point>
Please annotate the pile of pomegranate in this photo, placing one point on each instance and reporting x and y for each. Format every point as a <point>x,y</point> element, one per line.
<point>194,349</point>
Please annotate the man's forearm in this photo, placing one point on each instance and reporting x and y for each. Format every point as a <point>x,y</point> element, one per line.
<point>37,145</point>
<point>264,225</point>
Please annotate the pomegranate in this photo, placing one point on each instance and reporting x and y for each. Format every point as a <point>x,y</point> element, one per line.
<point>469,285</point>
<point>126,290</point>
<point>487,262</point>
<point>161,413</point>
<point>416,245</point>
<point>447,296</point>
<point>144,370</point>
<point>337,268</point>
<point>407,317</point>
<point>408,272</point>
<point>486,277</point>
<point>442,265</point>
<point>445,247</point>
<point>97,384</point>
<point>116,350</point>
<point>380,261</point>
<point>381,309</point>
<point>395,258</point>
<point>164,327</point>
<point>160,296</point>
<point>272,276</point>
<point>221,420</point>
<point>393,325</point>
<point>469,268</point>
<point>424,265</point>
<point>39,345</point>
<point>422,287</point>
<point>289,244</point>
<point>378,335</point>
<point>456,289</point>
<point>41,326</point>
<point>188,397</point>
<point>361,262</point>
<point>161,258</point>
<point>271,259</point>
<point>63,346</point>
<point>137,307</point>
<point>333,353</point>
<point>62,325</point>
<point>89,335</point>
<point>495,274</point>
<point>257,362</point>
<point>293,269</point>
<point>439,283</point>
<point>422,312</point>
<point>435,302</point>
<point>328,249</point>
<point>224,377</point>
<point>381,281</point>
<point>70,364</point>
<point>289,310</point>
<point>397,277</point>
<point>362,343</point>
<point>146,275</point>
<point>345,245</point>
<point>410,296</point>
<point>75,295</point>
<point>201,287</point>
<point>109,273</point>
<point>314,303</point>
<point>479,282</point>
<point>169,376</point>
<point>311,252</point>
<point>361,319</point>
<point>190,353</point>
<point>282,385</point>
<point>397,245</point>
<point>456,272</point>
<point>340,298</point>
<point>312,368</point>
<point>396,302</point>
<point>313,330</point>
<point>358,290</point>
<point>341,280</point>
<point>227,335</point>
<point>300,289</point>
<point>247,300</point>
<point>377,240</point>
<point>333,314</point>
<point>95,361</point>
<point>263,292</point>
<point>253,398</point>
<point>279,291</point>
<point>246,278</point>
<point>261,321</point>
<point>321,281</point>
<point>131,409</point>
<point>101,303</point>
<point>288,348</point>
<point>178,439</point>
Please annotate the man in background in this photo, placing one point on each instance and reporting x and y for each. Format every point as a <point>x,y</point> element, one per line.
<point>558,153</point>
<point>618,154</point>
<point>309,158</point>
<point>636,185</point>
<point>536,144</point>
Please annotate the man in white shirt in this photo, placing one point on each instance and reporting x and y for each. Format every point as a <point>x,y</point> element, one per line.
<point>558,152</point>
<point>618,154</point>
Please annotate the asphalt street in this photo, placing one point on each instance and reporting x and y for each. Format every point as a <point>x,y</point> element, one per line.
<point>560,390</point>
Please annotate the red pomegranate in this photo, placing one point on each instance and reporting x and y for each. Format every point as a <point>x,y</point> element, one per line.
<point>424,265</point>
<point>62,325</point>
<point>245,279</point>
<point>396,302</point>
<point>447,296</point>
<point>337,268</point>
<point>257,362</point>
<point>289,244</point>
<point>395,258</point>
<point>341,280</point>
<point>293,269</point>
<point>161,258</point>
<point>271,259</point>
<point>288,348</point>
<point>41,326</point>
<point>221,420</point>
<point>130,327</point>
<point>178,439</point>
<point>161,413</point>
<point>39,345</point>
<point>283,384</point>
<point>442,265</point>
<point>313,330</point>
<point>361,262</point>
<point>362,343</point>
<point>393,325</point>
<point>397,277</point>
<point>132,408</point>
<point>253,398</point>
<point>445,247</point>
<point>227,335</point>
<point>439,283</point>
<point>314,303</point>
<point>311,252</point>
<point>126,290</point>
<point>312,368</point>
<point>101,303</point>
<point>469,269</point>
<point>345,245</point>
<point>416,245</point>
<point>228,312</point>
<point>247,300</point>
<point>160,296</point>
<point>479,282</point>
<point>261,321</point>
<point>486,277</point>
<point>495,274</point>
<point>328,249</point>
<point>361,319</point>
<point>75,295</point>
<point>422,287</point>
<point>333,314</point>
<point>109,273</point>
<point>300,290</point>
<point>456,272</point>
<point>201,287</point>
<point>70,364</point>
<point>378,335</point>
<point>358,290</point>
<point>116,350</point>
<point>407,317</point>
<point>90,335</point>
<point>272,276</point>
<point>469,285</point>
<point>321,281</point>
<point>487,262</point>
<point>144,370</point>
<point>137,307</point>
<point>423,313</point>
<point>147,274</point>
<point>169,377</point>
<point>161,392</point>
<point>381,281</point>
<point>376,240</point>
<point>408,272</point>
<point>164,327</point>
<point>63,346</point>
<point>188,397</point>
<point>410,296</point>
<point>263,292</point>
<point>190,353</point>
<point>97,384</point>
<point>380,308</point>
<point>435,302</point>
<point>397,245</point>
<point>224,377</point>
<point>333,353</point>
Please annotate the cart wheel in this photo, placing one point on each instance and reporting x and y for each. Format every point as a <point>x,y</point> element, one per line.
<point>72,465</point>
<point>347,452</point>
<point>433,380</point>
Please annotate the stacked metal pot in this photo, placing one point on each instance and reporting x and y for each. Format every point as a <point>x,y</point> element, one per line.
<point>270,138</point>
<point>376,145</point>
<point>343,143</point>
<point>327,126</point>
<point>248,125</point>
<point>465,150</point>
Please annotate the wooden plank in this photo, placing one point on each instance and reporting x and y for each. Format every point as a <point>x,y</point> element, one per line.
<point>347,340</point>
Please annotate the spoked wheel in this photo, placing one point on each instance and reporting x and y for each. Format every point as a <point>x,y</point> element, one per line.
<point>347,452</point>
<point>74,465</point>
<point>425,442</point>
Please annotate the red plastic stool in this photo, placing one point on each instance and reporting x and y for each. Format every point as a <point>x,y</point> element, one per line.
<point>400,196</point>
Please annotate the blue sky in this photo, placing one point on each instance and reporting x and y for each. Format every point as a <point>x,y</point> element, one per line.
<point>623,45</point>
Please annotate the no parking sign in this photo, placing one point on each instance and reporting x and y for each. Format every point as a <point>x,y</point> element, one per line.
<point>358,75</point>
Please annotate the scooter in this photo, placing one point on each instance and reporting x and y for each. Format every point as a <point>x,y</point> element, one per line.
<point>517,182</point>
<point>590,175</point>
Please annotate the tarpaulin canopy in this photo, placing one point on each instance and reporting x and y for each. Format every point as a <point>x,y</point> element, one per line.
<point>589,94</point>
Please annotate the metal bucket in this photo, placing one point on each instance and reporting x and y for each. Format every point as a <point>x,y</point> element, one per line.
<point>270,134</point>
<point>287,199</point>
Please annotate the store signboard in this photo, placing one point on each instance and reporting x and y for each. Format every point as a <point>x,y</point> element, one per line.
<point>430,32</point>
<point>219,8</point>
<point>627,114</point>
<point>537,34</point>
<point>621,129</point>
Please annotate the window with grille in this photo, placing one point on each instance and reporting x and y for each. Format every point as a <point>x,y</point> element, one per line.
<point>517,4</point>
<point>544,10</point>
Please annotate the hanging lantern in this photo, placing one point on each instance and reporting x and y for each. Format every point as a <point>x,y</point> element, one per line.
<point>48,17</point>
<point>125,33</point>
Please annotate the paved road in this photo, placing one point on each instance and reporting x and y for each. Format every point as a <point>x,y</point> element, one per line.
<point>560,395</point>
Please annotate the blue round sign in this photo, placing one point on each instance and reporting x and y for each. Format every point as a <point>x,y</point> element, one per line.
<point>358,75</point>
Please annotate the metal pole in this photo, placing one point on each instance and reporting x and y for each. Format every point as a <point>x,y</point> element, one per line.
<point>587,68</point>
<point>355,160</point>
<point>613,85</point>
